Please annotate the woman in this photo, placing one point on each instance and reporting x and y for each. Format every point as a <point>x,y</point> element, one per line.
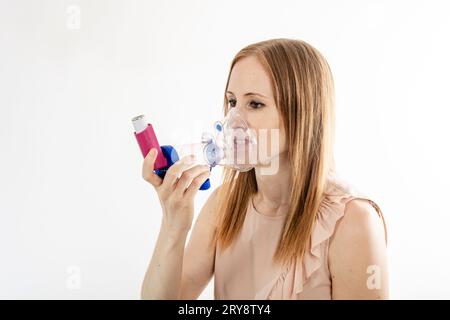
<point>297,233</point>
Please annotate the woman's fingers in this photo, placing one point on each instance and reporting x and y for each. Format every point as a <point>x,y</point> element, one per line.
<point>187,177</point>
<point>175,171</point>
<point>190,177</point>
<point>190,192</point>
<point>148,167</point>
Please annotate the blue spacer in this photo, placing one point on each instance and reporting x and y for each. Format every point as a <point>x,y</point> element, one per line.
<point>171,156</point>
<point>206,184</point>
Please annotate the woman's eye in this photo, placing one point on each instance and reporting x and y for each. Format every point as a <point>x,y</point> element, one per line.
<point>253,104</point>
<point>256,105</point>
<point>231,103</point>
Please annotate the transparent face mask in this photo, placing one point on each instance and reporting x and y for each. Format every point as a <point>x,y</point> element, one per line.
<point>231,144</point>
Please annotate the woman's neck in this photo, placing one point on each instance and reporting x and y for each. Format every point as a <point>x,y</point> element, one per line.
<point>273,196</point>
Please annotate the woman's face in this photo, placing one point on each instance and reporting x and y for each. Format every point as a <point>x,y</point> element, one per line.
<point>250,91</point>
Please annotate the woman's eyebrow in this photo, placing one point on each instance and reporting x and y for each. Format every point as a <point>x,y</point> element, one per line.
<point>250,94</point>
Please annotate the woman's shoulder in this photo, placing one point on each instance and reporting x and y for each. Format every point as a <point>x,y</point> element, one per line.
<point>345,203</point>
<point>349,219</point>
<point>346,213</point>
<point>359,237</point>
<point>344,221</point>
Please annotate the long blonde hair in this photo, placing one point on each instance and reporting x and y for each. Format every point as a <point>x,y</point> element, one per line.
<point>304,94</point>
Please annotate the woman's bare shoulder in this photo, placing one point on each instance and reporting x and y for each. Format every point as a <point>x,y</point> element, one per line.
<point>358,249</point>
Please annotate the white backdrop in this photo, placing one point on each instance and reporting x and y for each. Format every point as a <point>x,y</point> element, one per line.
<point>78,221</point>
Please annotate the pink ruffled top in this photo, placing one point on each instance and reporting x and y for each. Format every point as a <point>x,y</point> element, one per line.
<point>245,269</point>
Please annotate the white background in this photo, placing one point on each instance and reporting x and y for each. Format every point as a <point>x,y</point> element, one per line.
<point>72,200</point>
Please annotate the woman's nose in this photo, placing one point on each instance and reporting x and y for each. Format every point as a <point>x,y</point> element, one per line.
<point>238,119</point>
<point>242,112</point>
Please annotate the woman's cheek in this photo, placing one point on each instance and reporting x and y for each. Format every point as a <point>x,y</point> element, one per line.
<point>268,144</point>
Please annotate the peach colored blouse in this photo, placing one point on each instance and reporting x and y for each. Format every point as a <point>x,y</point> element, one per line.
<point>245,269</point>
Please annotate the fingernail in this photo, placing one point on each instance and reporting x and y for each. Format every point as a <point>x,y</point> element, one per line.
<point>154,152</point>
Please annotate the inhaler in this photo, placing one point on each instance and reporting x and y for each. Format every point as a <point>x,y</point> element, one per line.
<point>231,144</point>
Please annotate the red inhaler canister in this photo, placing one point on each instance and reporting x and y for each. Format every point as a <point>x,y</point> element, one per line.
<point>146,138</point>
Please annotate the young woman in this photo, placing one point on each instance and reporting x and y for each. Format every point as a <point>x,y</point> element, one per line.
<point>297,233</point>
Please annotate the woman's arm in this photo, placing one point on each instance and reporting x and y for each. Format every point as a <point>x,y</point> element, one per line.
<point>357,254</point>
<point>162,279</point>
<point>176,194</point>
<point>176,272</point>
<point>198,262</point>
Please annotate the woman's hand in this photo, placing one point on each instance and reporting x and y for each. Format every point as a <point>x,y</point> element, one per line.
<point>177,191</point>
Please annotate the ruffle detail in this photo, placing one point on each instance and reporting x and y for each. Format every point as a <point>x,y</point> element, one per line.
<point>331,210</point>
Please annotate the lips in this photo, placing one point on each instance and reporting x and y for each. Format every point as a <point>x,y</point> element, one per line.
<point>241,140</point>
